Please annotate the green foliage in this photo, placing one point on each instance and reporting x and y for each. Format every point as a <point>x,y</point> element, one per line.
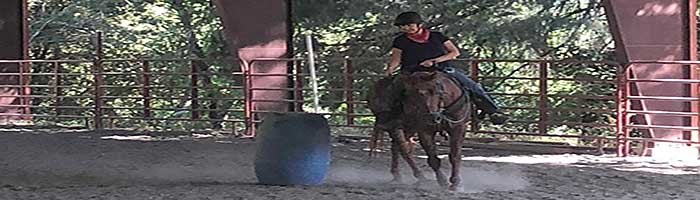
<point>362,30</point>
<point>135,29</point>
<point>510,29</point>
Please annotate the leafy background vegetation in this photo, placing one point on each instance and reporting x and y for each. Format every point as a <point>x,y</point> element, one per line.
<point>361,30</point>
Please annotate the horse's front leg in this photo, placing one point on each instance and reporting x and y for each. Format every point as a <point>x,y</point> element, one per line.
<point>406,149</point>
<point>456,140</point>
<point>427,140</point>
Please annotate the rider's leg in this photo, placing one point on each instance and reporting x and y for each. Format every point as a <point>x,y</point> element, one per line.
<point>483,101</point>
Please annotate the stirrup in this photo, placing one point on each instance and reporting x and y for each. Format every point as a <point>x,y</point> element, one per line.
<point>481,115</point>
<point>448,70</point>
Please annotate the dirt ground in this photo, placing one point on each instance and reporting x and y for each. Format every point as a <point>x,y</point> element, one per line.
<point>126,165</point>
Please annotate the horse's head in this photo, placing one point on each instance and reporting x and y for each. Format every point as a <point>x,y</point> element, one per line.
<point>423,92</point>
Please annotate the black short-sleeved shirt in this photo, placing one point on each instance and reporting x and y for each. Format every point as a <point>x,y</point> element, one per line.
<point>413,53</point>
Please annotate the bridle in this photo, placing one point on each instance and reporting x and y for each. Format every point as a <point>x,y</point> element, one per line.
<point>440,115</point>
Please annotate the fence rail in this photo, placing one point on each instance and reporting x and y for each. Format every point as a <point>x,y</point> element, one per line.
<point>687,116</point>
<point>544,97</point>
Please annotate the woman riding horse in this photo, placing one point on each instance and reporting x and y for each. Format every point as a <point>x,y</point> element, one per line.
<point>420,49</point>
<point>434,94</point>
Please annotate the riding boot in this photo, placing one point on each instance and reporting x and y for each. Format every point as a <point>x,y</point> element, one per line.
<point>481,99</point>
<point>484,102</point>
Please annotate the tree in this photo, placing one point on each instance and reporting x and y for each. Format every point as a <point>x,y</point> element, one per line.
<point>503,29</point>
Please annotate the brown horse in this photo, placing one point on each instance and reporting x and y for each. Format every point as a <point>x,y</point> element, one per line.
<point>387,119</point>
<point>434,103</point>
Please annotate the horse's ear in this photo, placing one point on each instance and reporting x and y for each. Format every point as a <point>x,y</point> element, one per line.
<point>428,76</point>
<point>433,75</point>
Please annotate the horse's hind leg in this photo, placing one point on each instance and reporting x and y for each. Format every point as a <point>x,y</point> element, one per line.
<point>375,141</point>
<point>405,148</point>
<point>427,140</point>
<point>395,160</point>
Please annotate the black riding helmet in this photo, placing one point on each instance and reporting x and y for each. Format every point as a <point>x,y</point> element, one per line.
<point>408,18</point>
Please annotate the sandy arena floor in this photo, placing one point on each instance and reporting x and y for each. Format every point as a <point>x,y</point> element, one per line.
<point>87,165</point>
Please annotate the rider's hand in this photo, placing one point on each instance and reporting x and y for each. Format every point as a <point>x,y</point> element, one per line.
<point>427,63</point>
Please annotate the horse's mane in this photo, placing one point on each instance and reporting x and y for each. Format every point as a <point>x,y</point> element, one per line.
<point>430,80</point>
<point>424,77</point>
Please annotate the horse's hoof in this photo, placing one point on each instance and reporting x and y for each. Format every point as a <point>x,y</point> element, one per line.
<point>421,178</point>
<point>455,188</point>
<point>395,181</point>
<point>442,182</point>
<point>419,184</point>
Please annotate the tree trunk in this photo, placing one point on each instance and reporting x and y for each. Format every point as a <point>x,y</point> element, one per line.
<point>202,67</point>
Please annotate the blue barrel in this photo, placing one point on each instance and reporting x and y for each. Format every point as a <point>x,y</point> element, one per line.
<point>293,149</point>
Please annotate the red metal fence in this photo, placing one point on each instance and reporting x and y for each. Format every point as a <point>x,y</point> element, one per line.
<point>645,132</point>
<point>537,109</point>
<point>559,100</point>
<point>100,92</point>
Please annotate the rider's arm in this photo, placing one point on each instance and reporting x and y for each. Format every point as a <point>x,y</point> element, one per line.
<point>394,61</point>
<point>452,53</point>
